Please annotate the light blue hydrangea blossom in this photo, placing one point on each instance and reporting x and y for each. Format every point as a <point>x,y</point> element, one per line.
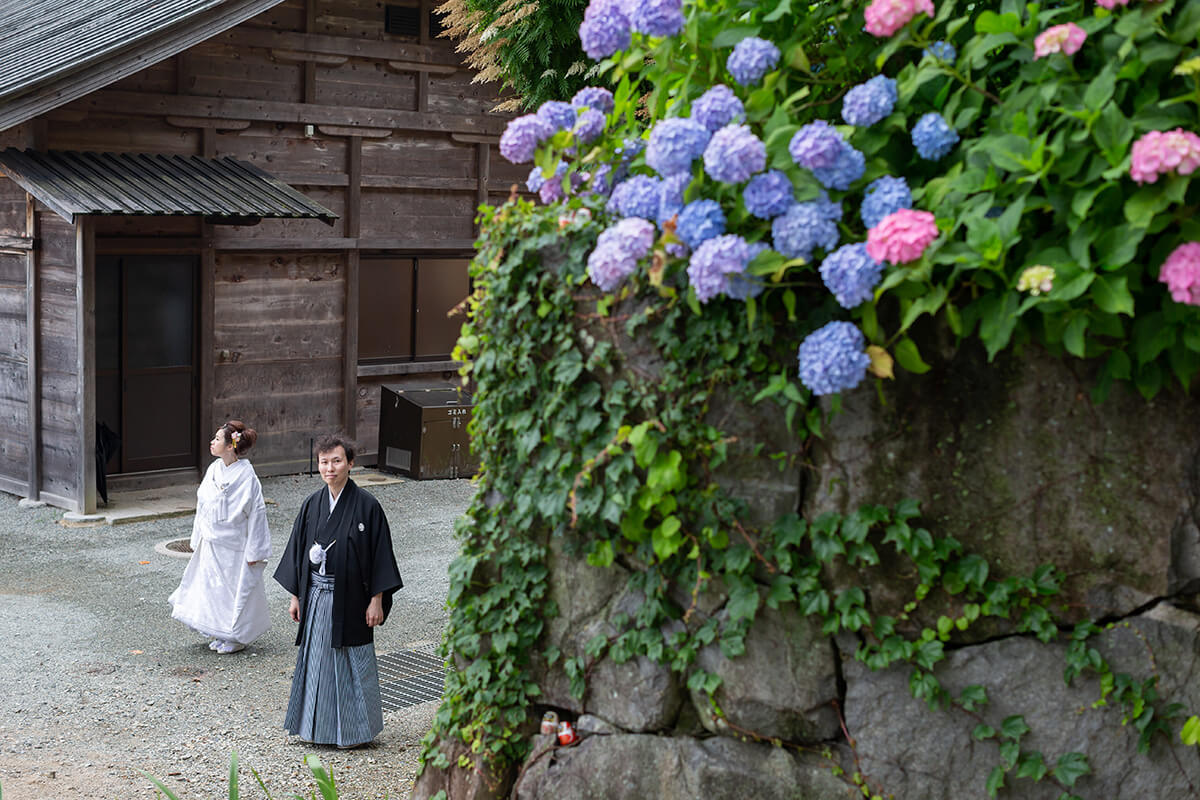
<point>674,144</point>
<point>942,51</point>
<point>932,137</point>
<point>699,221</point>
<point>884,196</point>
<point>670,195</point>
<point>558,115</point>
<point>734,154</point>
<point>768,195</point>
<point>714,262</point>
<point>636,197</point>
<point>658,17</point>
<point>805,227</point>
<point>816,145</point>
<point>535,179</point>
<point>521,137</point>
<point>833,358</point>
<point>869,102</point>
<point>596,97</point>
<point>617,251</point>
<point>718,107</point>
<point>751,59</point>
<point>743,286</point>
<point>851,274</point>
<point>606,28</point>
<point>589,126</point>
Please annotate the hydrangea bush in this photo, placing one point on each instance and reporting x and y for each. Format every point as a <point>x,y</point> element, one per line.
<point>962,144</point>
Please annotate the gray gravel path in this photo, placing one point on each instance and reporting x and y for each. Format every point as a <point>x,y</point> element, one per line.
<point>99,682</point>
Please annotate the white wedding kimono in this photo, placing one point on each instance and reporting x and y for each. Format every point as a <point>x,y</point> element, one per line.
<point>221,595</point>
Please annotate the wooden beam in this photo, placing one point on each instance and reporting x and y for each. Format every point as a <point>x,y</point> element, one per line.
<point>300,57</point>
<point>352,218</point>
<point>32,329</point>
<point>366,133</point>
<point>22,243</point>
<point>151,104</point>
<point>440,55</point>
<point>142,245</point>
<point>407,368</point>
<point>471,138</point>
<point>85,321</point>
<point>283,243</point>
<point>483,168</point>
<point>206,122</point>
<point>205,423</point>
<point>417,66</point>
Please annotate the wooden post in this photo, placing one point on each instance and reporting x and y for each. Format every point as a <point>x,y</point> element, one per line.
<point>353,224</point>
<point>85,366</point>
<point>208,270</point>
<point>483,164</point>
<point>32,321</point>
<point>310,66</point>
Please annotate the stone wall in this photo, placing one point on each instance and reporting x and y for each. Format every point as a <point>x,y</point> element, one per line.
<point>1015,461</point>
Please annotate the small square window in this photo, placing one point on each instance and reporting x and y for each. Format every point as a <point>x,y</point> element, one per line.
<point>402,21</point>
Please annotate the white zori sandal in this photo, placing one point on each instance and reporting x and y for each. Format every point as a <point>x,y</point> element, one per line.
<point>225,648</point>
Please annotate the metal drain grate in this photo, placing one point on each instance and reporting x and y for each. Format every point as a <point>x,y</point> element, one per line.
<point>410,677</point>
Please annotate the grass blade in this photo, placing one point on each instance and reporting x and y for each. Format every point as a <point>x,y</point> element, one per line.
<point>323,778</point>
<point>160,786</point>
<point>233,775</point>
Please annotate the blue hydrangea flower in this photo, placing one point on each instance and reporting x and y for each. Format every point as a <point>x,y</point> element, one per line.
<point>742,286</point>
<point>751,59</point>
<point>551,191</point>
<point>658,17</point>
<point>670,195</point>
<point>833,358</point>
<point>521,137</point>
<point>851,274</point>
<point>734,154</point>
<point>869,102</point>
<point>718,107</point>
<point>699,221</point>
<point>768,195</point>
<point>630,148</point>
<point>932,137</point>
<point>816,145</point>
<point>713,262</point>
<point>558,115</point>
<point>601,181</point>
<point>942,51</point>
<point>674,144</point>
<point>535,179</point>
<point>617,251</point>
<point>804,227</point>
<point>636,197</point>
<point>606,28</point>
<point>596,97</point>
<point>882,197</point>
<point>848,168</point>
<point>589,126</point>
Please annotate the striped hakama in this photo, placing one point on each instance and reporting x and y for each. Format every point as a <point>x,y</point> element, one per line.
<point>335,691</point>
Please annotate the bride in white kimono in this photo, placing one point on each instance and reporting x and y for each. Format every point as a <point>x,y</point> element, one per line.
<point>222,593</point>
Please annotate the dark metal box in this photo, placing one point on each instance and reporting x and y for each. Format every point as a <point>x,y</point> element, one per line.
<point>423,433</point>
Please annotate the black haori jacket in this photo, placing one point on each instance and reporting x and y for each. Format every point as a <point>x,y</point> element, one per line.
<point>362,560</point>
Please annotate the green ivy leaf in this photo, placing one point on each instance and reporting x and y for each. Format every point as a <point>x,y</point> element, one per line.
<point>995,781</point>
<point>1071,767</point>
<point>1014,727</point>
<point>982,732</point>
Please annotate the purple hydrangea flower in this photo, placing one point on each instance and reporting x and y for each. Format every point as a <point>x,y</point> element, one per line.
<point>558,115</point>
<point>751,59</point>
<point>806,226</point>
<point>617,251</point>
<point>596,97</point>
<point>522,136</point>
<point>589,126</point>
<point>833,358</point>
<point>674,144</point>
<point>606,28</point>
<point>713,262</point>
<point>630,148</point>
<point>932,137</point>
<point>718,107</point>
<point>742,286</point>
<point>942,51</point>
<point>636,197</point>
<point>869,102</point>
<point>699,221</point>
<point>848,168</point>
<point>734,154</point>
<point>768,195</point>
<point>882,197</point>
<point>535,179</point>
<point>658,17</point>
<point>670,196</point>
<point>551,191</point>
<point>851,274</point>
<point>816,145</point>
<point>602,180</point>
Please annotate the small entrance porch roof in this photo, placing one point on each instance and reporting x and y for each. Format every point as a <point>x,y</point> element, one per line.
<point>219,189</point>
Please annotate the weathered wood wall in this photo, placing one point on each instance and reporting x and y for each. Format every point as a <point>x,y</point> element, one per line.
<point>387,131</point>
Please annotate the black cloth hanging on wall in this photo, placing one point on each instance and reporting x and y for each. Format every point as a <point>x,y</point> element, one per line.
<point>108,444</point>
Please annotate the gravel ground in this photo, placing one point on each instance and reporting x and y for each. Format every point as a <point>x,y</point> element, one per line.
<point>100,682</point>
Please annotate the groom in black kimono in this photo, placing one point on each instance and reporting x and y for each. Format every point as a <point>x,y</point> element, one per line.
<point>339,561</point>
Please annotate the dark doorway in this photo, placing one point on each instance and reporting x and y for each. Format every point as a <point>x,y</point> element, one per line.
<point>146,359</point>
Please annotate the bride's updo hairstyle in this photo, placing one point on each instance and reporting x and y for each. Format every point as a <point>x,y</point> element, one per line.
<point>243,438</point>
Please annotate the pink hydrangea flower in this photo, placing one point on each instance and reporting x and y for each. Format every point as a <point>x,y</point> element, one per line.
<point>1065,39</point>
<point>1160,152</point>
<point>885,17</point>
<point>1110,4</point>
<point>1181,273</point>
<point>902,236</point>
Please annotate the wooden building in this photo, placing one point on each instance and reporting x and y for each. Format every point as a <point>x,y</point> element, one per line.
<point>284,229</point>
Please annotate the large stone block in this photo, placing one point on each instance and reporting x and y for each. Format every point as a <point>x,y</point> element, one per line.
<point>604,767</point>
<point>913,752</point>
<point>782,687</point>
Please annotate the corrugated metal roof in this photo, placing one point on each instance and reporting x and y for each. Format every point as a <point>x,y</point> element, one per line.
<point>53,51</point>
<point>74,183</point>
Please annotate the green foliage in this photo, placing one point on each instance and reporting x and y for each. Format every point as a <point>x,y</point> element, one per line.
<point>322,777</point>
